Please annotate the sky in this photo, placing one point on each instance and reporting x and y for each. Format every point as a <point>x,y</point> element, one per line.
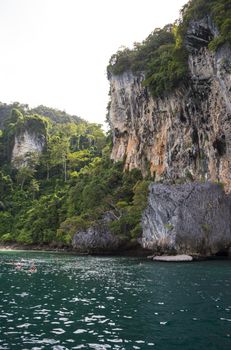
<point>55,52</point>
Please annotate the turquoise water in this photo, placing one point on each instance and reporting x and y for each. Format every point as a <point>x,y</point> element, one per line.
<point>102,303</point>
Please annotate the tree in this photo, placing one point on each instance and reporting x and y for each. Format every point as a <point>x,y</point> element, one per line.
<point>24,173</point>
<point>6,185</point>
<point>34,187</point>
<point>56,154</point>
<point>78,160</point>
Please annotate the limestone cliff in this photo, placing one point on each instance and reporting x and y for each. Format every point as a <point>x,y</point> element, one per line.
<point>190,218</point>
<point>26,143</point>
<point>98,237</point>
<point>186,133</point>
<point>28,140</point>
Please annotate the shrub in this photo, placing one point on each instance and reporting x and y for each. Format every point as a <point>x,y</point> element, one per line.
<point>7,237</point>
<point>24,237</point>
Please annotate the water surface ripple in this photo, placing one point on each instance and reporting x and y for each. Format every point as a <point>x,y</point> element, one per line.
<point>83,302</point>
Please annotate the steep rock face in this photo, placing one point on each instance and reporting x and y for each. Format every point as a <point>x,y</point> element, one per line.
<point>186,133</point>
<point>190,218</point>
<point>26,143</point>
<point>97,238</point>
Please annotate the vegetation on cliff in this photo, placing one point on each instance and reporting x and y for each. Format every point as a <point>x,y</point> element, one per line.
<point>162,56</point>
<point>163,62</point>
<point>69,186</point>
<point>46,197</point>
<point>220,12</point>
<point>54,115</point>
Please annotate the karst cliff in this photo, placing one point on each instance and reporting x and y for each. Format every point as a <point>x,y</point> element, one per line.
<point>160,181</point>
<point>170,115</point>
<point>185,133</point>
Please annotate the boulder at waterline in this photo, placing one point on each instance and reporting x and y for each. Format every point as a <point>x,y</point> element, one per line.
<point>97,238</point>
<point>173,258</point>
<point>190,218</point>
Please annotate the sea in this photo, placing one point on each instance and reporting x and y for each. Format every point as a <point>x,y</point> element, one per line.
<point>62,301</point>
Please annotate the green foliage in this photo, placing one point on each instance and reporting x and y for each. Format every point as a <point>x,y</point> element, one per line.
<point>6,185</point>
<point>16,124</point>
<point>79,159</point>
<point>24,237</point>
<point>34,196</point>
<point>162,57</point>
<point>24,174</point>
<point>206,228</point>
<point>6,222</point>
<point>128,223</point>
<point>16,116</point>
<point>7,238</point>
<point>219,183</point>
<point>166,70</point>
<point>54,115</point>
<point>121,61</point>
<point>34,187</point>
<point>220,11</point>
<point>39,223</point>
<point>168,226</point>
<point>139,57</point>
<point>69,227</point>
<point>47,198</point>
<point>19,122</point>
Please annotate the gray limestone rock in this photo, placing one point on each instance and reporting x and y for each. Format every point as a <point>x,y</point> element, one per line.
<point>27,144</point>
<point>186,133</point>
<point>97,238</point>
<point>187,219</point>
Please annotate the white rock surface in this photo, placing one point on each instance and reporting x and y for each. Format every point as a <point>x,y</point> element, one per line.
<point>173,258</point>
<point>25,144</point>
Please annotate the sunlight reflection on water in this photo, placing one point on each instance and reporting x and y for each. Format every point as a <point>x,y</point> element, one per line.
<point>75,302</point>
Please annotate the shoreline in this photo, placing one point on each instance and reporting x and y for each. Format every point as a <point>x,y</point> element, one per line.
<point>14,246</point>
<point>133,252</point>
